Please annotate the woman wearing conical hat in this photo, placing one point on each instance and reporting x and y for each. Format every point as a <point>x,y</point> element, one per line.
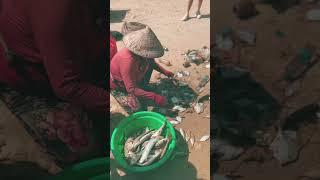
<point>132,66</point>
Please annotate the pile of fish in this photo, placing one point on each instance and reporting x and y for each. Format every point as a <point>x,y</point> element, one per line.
<point>146,147</point>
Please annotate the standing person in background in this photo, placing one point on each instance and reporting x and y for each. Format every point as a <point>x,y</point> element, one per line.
<point>198,14</point>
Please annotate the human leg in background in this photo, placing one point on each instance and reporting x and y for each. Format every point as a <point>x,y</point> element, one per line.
<point>198,14</point>
<point>186,16</point>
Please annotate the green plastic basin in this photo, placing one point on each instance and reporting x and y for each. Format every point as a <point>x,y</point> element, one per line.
<point>135,123</point>
<point>96,169</point>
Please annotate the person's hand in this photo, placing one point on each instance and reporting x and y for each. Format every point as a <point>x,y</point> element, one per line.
<point>133,102</point>
<point>169,74</point>
<point>161,100</point>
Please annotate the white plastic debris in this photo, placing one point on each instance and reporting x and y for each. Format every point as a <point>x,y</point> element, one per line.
<point>182,133</point>
<point>174,122</point>
<point>179,119</point>
<point>313,15</point>
<point>174,100</point>
<point>180,75</point>
<point>318,115</point>
<point>247,37</point>
<point>204,138</point>
<point>186,73</point>
<point>285,148</point>
<point>187,137</point>
<point>192,140</point>
<point>224,43</point>
<point>179,108</point>
<point>198,108</point>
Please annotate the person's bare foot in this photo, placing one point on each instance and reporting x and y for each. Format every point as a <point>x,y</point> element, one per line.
<point>198,15</point>
<point>185,17</point>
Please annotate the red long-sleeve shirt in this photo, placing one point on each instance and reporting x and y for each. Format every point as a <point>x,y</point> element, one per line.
<point>63,37</point>
<point>127,70</point>
<point>113,47</point>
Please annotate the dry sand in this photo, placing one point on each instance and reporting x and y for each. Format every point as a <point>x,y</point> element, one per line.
<point>164,18</point>
<point>265,63</point>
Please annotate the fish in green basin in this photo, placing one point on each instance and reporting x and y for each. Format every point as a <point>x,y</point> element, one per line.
<point>146,147</point>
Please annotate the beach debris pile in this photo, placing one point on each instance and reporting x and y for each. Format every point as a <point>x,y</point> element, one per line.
<point>179,94</point>
<point>284,147</point>
<point>229,42</point>
<point>197,57</point>
<point>313,15</point>
<point>146,147</point>
<point>228,37</point>
<point>202,83</point>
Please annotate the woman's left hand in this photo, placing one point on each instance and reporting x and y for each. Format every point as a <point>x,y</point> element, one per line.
<point>169,74</point>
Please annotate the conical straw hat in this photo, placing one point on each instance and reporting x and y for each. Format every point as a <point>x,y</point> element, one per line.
<point>144,43</point>
<point>129,27</point>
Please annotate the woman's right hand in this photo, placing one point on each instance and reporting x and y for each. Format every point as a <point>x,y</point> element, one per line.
<point>133,102</point>
<point>160,100</point>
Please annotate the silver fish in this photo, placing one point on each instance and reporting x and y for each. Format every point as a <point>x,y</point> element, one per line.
<point>152,159</point>
<point>164,150</point>
<point>138,149</point>
<point>144,144</point>
<point>161,143</point>
<point>142,140</point>
<point>148,149</point>
<point>134,157</point>
<point>140,136</point>
<point>159,131</point>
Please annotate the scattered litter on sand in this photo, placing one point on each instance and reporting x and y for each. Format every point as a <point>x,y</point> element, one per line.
<point>204,138</point>
<point>179,108</point>
<point>182,133</point>
<point>174,122</point>
<point>313,15</point>
<point>285,148</point>
<point>179,119</point>
<point>199,108</point>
